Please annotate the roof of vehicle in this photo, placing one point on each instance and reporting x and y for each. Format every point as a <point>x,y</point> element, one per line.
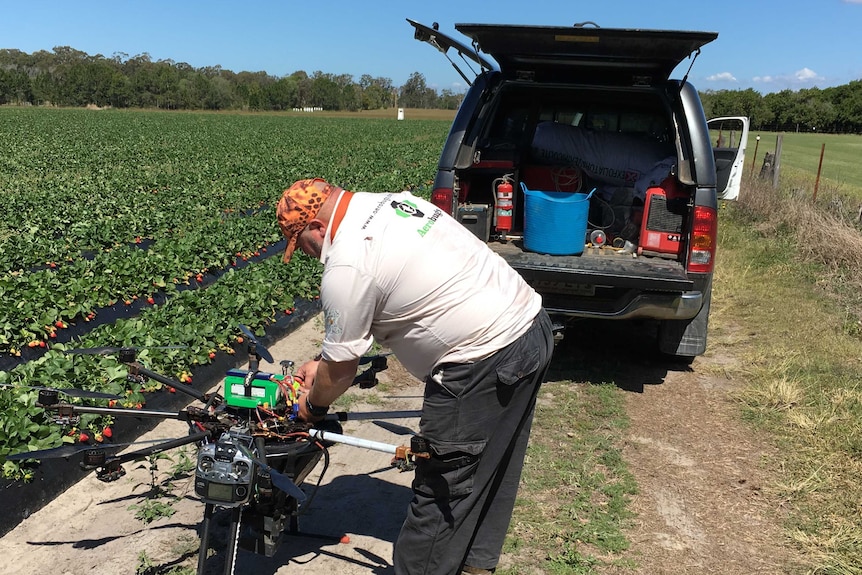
<point>599,54</point>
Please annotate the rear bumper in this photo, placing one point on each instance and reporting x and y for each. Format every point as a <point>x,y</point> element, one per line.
<point>680,306</point>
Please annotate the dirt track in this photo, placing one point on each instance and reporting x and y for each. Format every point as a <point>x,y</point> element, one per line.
<point>701,506</point>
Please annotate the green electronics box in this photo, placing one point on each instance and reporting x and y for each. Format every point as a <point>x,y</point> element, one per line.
<point>264,391</point>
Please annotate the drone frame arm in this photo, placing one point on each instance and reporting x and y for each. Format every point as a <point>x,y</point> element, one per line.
<point>136,368</point>
<point>69,409</point>
<point>158,448</point>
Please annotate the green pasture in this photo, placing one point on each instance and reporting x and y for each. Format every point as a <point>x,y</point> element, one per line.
<point>841,170</point>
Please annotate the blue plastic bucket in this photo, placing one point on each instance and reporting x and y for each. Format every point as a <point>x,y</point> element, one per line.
<point>555,223</point>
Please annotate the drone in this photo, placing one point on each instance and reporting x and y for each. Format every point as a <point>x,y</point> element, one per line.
<point>253,452</point>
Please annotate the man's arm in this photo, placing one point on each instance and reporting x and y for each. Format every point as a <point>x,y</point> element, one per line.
<point>331,380</point>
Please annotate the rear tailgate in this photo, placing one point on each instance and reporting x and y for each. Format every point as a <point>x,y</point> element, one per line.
<point>615,285</point>
<point>612,270</point>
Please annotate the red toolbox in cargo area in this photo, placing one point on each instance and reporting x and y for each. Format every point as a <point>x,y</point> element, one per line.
<point>665,207</point>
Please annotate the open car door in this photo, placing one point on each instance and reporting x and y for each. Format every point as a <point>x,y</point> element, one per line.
<point>729,136</point>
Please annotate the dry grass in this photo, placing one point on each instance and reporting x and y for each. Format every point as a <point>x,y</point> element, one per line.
<point>825,232</point>
<point>793,288</point>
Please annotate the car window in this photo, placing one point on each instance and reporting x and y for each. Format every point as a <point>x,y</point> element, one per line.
<point>518,110</point>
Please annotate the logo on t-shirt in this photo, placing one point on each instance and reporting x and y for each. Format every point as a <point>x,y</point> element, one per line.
<point>406,209</point>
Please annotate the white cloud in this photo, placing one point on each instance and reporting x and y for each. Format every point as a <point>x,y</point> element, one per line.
<point>724,76</point>
<point>806,74</point>
<point>800,79</point>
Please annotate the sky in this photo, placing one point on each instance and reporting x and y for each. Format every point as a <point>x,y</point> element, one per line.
<point>767,45</point>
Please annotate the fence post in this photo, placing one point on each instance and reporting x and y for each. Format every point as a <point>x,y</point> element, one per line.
<point>819,167</point>
<point>777,161</point>
<point>754,159</point>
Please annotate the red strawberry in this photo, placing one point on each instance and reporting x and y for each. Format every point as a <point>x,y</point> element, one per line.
<point>150,300</point>
<point>83,438</point>
<point>107,432</point>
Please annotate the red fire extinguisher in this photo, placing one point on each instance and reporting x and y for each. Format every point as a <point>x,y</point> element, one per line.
<point>503,203</point>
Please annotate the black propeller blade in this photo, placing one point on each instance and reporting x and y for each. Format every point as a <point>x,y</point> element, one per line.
<point>71,391</point>
<point>68,450</point>
<point>85,393</point>
<point>259,348</point>
<point>394,428</point>
<point>280,480</point>
<point>111,350</point>
<point>376,357</point>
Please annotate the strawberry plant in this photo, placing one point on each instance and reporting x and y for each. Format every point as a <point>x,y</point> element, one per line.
<point>172,213</point>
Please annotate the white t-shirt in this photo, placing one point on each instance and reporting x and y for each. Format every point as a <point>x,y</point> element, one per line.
<point>402,272</point>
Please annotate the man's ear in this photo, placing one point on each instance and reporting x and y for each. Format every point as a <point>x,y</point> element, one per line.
<point>317,226</point>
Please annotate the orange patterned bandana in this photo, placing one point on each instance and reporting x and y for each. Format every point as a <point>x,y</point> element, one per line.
<point>298,205</point>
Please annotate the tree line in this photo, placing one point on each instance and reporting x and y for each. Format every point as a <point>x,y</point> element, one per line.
<point>832,110</point>
<point>69,77</point>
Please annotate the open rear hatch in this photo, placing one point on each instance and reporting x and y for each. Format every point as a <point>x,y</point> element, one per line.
<point>605,54</point>
<point>550,53</point>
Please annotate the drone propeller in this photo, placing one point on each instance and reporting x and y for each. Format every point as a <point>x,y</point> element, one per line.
<point>68,450</point>
<point>259,348</point>
<point>71,391</point>
<point>394,428</point>
<point>111,350</point>
<point>280,480</point>
<point>371,358</point>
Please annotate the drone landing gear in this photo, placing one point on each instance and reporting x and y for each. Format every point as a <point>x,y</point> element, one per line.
<point>233,537</point>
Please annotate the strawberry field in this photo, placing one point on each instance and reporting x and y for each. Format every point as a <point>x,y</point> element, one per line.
<point>150,229</point>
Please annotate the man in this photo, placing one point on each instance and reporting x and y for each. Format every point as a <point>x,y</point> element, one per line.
<point>400,271</point>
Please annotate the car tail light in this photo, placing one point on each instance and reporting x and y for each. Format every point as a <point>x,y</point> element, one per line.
<point>443,199</point>
<point>701,255</point>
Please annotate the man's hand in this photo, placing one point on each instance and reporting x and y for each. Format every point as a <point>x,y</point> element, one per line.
<point>324,381</point>
<point>307,373</point>
<point>304,414</point>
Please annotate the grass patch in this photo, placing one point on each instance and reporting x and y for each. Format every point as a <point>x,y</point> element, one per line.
<point>782,303</point>
<point>800,159</point>
<point>573,511</point>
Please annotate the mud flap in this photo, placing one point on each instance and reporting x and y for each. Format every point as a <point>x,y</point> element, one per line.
<point>683,340</point>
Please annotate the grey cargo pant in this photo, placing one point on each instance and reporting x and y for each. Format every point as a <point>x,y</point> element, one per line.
<point>477,419</point>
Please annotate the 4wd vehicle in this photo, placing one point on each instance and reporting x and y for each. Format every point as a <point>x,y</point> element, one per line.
<point>578,132</point>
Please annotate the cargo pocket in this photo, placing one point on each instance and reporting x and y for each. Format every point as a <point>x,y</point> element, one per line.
<point>519,365</point>
<point>448,474</point>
